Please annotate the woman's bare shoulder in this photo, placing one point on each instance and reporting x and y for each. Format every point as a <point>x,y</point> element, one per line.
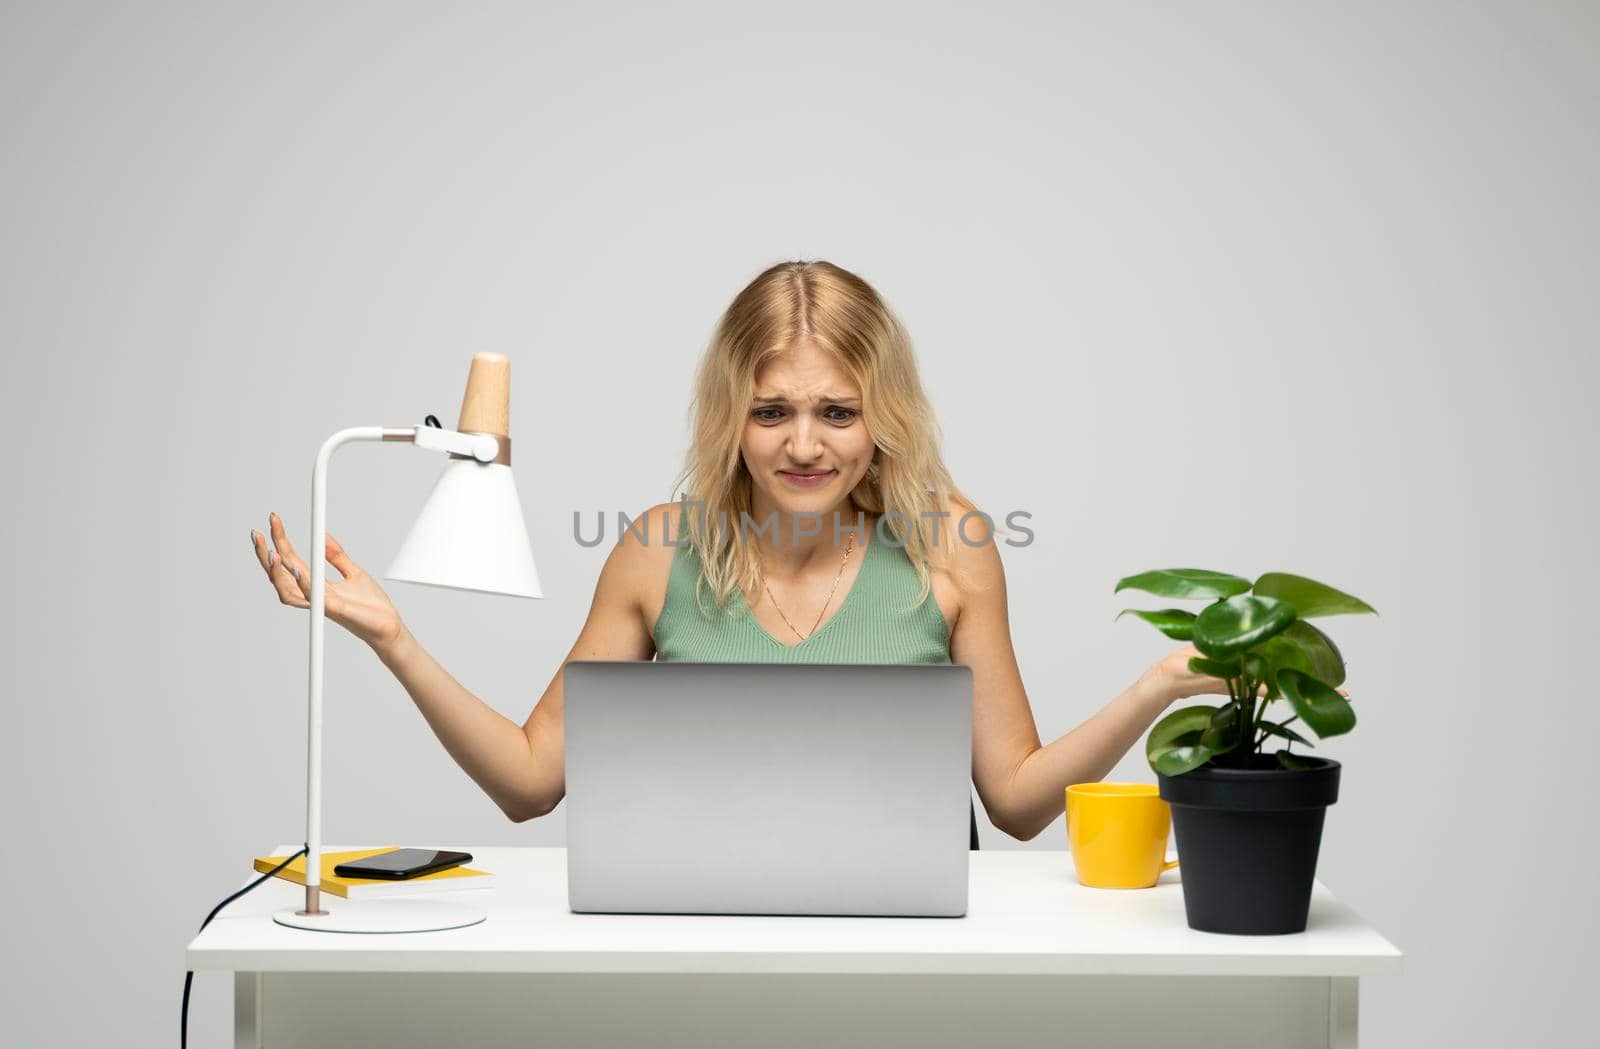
<point>647,543</point>
<point>945,568</point>
<point>971,568</point>
<point>651,529</point>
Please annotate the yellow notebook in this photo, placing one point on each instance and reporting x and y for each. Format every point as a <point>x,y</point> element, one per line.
<point>451,879</point>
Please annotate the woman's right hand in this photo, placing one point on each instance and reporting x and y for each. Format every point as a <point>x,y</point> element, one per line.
<point>356,601</point>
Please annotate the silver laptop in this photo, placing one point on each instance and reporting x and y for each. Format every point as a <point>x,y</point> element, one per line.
<point>762,788</point>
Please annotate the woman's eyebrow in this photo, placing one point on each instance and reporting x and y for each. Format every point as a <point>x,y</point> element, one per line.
<point>780,399</point>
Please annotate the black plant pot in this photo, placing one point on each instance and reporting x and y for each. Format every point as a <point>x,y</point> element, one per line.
<point>1248,841</point>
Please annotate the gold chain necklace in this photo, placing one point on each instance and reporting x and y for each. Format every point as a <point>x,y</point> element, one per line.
<point>847,548</point>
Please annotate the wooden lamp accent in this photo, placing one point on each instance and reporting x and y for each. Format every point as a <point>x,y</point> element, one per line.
<point>486,407</point>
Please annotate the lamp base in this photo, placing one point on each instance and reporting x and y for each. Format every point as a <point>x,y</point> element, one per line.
<point>383,916</point>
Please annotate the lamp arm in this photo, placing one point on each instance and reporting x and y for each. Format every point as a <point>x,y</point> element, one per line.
<point>480,446</point>
<point>483,447</point>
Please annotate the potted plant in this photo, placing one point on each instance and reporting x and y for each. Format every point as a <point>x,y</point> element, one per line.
<point>1249,823</point>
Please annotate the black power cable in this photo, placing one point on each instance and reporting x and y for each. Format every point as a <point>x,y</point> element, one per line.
<point>188,978</point>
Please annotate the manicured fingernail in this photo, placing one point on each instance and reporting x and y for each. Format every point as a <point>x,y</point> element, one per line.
<point>272,555</point>
<point>252,538</point>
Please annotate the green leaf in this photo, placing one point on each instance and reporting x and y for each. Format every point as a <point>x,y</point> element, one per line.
<point>1181,759</point>
<point>1309,597</point>
<point>1226,628</point>
<point>1323,710</point>
<point>1272,728</point>
<point>1326,664</point>
<point>1173,622</point>
<point>1222,735</point>
<point>1173,746</point>
<point>1185,582</point>
<point>1180,722</point>
<point>1292,761</point>
<point>1281,653</point>
<point>1226,669</point>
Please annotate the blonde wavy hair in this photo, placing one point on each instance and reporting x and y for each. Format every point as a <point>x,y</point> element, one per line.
<point>788,305</point>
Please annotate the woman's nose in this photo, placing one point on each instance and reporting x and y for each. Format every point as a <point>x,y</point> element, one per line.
<point>804,440</point>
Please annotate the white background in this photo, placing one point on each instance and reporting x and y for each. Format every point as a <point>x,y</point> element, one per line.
<point>1247,287</point>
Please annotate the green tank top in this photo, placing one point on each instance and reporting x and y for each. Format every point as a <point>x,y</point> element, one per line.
<point>876,623</point>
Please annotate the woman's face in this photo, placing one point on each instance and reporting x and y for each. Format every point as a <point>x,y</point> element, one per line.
<point>805,443</point>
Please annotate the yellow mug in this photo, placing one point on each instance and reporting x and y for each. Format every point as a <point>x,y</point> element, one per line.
<point>1118,834</point>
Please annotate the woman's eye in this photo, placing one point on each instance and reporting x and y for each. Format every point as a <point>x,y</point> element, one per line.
<point>834,414</point>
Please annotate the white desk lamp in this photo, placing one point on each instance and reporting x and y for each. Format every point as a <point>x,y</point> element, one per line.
<point>469,536</point>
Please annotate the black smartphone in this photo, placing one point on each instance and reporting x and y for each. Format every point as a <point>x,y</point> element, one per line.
<point>399,864</point>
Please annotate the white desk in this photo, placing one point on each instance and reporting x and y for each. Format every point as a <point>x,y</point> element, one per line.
<point>1038,957</point>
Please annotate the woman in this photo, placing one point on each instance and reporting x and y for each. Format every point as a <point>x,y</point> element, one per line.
<point>816,536</point>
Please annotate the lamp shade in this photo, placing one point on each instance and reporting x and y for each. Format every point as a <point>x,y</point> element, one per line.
<point>470,534</point>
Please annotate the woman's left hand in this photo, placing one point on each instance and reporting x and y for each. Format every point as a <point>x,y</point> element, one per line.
<point>1179,682</point>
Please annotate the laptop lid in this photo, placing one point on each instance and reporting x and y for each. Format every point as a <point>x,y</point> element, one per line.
<point>765,788</point>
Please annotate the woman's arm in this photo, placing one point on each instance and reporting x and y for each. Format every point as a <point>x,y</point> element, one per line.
<point>1020,782</point>
<point>523,767</point>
